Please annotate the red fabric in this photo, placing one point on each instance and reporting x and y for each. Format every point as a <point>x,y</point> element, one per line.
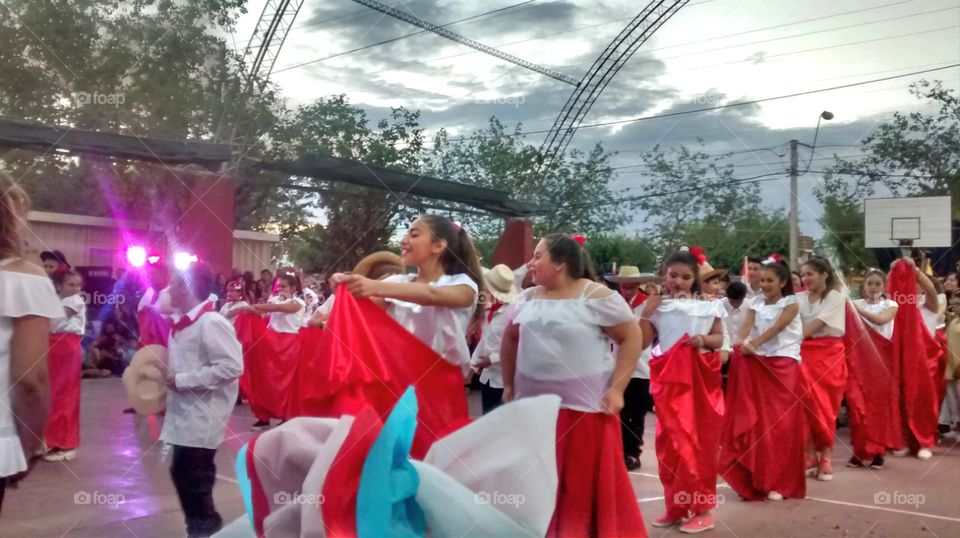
<point>185,321</point>
<point>939,375</point>
<point>763,438</point>
<point>824,369</point>
<point>342,483</point>
<point>270,361</point>
<point>638,300</point>
<point>497,305</point>
<point>913,345</point>
<point>153,328</point>
<point>686,389</point>
<point>594,496</point>
<point>261,507</point>
<point>63,423</point>
<point>871,399</point>
<point>364,357</point>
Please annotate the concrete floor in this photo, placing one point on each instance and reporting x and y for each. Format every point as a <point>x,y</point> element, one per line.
<point>120,459</point>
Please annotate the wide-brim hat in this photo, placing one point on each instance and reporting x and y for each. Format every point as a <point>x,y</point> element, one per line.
<point>501,283</point>
<point>631,273</point>
<point>366,266</point>
<point>145,380</point>
<point>707,272</point>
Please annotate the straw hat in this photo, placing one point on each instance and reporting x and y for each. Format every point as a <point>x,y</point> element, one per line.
<point>366,266</point>
<point>145,380</point>
<point>704,268</point>
<point>631,273</point>
<point>500,283</point>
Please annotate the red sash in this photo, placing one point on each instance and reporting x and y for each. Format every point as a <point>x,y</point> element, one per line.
<point>686,389</point>
<point>185,321</point>
<point>824,369</point>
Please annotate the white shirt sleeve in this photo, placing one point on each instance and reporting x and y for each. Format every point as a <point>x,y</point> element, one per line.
<point>833,314</point>
<point>225,355</point>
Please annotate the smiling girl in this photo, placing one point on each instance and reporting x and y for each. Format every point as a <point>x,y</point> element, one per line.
<point>762,455</point>
<point>685,383</point>
<point>437,303</point>
<point>65,360</point>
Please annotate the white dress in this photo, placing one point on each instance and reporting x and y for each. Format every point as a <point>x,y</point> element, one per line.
<point>489,346</point>
<point>443,329</point>
<point>283,322</point>
<point>21,295</point>
<point>932,320</point>
<point>676,317</point>
<point>74,323</point>
<point>830,309</point>
<point>787,342</point>
<point>885,330</point>
<point>563,348</point>
<point>642,371</point>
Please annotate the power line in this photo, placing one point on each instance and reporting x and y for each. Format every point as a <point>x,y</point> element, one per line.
<point>351,51</point>
<point>739,103</point>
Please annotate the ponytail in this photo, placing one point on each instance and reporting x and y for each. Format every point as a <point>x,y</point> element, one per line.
<point>460,256</point>
<point>565,249</point>
<point>14,206</point>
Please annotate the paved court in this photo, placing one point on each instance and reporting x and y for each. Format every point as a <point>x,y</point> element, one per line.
<point>119,486</point>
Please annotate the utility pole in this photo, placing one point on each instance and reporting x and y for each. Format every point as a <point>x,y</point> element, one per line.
<point>794,218</point>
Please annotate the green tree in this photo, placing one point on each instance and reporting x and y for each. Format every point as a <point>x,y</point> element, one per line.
<point>622,249</point>
<point>574,194</point>
<point>687,187</point>
<point>746,233</point>
<point>353,221</point>
<point>843,226</point>
<point>912,154</point>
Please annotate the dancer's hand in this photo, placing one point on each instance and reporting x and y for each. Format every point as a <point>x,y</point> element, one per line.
<point>507,395</point>
<point>361,286</point>
<point>482,362</point>
<point>612,402</point>
<point>650,306</point>
<point>695,341</point>
<point>338,278</point>
<point>746,348</point>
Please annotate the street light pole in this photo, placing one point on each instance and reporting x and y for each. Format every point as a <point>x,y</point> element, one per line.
<point>794,218</point>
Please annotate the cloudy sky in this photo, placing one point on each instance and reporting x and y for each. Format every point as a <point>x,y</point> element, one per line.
<point>712,52</point>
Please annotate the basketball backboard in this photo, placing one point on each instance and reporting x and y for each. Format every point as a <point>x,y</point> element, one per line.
<point>895,222</point>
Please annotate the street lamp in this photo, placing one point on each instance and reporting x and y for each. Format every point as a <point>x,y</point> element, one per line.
<point>794,217</point>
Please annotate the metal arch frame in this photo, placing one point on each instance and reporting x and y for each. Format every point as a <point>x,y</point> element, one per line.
<point>262,50</point>
<point>603,70</point>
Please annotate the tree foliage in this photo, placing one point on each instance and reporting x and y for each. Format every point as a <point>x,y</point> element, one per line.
<point>844,233</point>
<point>911,154</point>
<point>622,249</point>
<point>727,239</point>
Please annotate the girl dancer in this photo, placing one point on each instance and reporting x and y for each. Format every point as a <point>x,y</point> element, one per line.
<point>762,454</point>
<point>685,383</point>
<point>557,341</point>
<point>65,364</point>
<point>824,366</point>
<point>437,303</point>
<point>271,376</point>
<point>27,304</point>
<point>235,302</point>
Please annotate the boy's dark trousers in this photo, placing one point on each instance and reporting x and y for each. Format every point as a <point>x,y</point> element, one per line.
<point>636,403</point>
<point>490,398</point>
<point>194,474</point>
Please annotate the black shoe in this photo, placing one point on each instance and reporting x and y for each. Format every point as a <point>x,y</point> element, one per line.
<point>855,462</point>
<point>261,424</point>
<point>129,411</point>
<point>877,462</point>
<point>632,462</point>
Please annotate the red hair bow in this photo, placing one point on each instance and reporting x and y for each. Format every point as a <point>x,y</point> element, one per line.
<point>579,239</point>
<point>697,253</point>
<point>775,257</point>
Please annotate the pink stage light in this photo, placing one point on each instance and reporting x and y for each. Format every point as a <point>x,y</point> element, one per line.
<point>182,260</point>
<point>153,260</point>
<point>136,256</point>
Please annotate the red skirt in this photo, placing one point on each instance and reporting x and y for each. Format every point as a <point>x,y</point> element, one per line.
<point>937,351</point>
<point>824,369</point>
<point>763,439</point>
<point>594,495</point>
<point>154,329</point>
<point>686,389</point>
<point>872,391</point>
<point>269,364</point>
<point>65,362</point>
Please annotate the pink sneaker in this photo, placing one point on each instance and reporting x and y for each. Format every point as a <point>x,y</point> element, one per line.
<point>665,521</point>
<point>697,524</point>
